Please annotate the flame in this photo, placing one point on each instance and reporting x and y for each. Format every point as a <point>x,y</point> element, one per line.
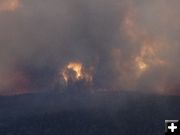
<point>77,68</point>
<point>9,5</point>
<point>75,71</point>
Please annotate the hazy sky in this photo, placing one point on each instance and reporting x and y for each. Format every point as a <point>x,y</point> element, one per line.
<point>127,44</point>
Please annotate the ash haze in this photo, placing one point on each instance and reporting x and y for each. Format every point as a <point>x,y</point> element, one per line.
<point>128,45</point>
<point>9,5</point>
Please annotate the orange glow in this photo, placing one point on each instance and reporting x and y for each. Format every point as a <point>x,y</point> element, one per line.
<point>14,83</point>
<point>141,64</point>
<point>148,52</point>
<point>149,47</point>
<point>130,27</point>
<point>75,71</point>
<point>148,56</point>
<point>9,5</point>
<point>77,68</point>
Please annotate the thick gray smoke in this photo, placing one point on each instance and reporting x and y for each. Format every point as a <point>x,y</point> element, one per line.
<point>133,45</point>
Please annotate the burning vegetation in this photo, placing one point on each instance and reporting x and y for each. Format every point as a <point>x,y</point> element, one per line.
<point>75,71</point>
<point>75,75</point>
<point>135,44</point>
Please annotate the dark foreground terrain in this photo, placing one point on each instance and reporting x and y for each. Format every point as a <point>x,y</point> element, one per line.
<point>102,113</point>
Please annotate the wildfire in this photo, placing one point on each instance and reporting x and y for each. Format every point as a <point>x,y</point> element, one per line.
<point>150,53</point>
<point>75,71</point>
<point>141,64</point>
<point>77,68</point>
<point>149,47</point>
<point>147,53</point>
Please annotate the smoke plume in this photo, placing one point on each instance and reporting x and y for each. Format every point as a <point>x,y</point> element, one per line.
<point>120,44</point>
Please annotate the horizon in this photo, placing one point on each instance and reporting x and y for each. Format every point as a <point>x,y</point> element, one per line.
<point>89,67</point>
